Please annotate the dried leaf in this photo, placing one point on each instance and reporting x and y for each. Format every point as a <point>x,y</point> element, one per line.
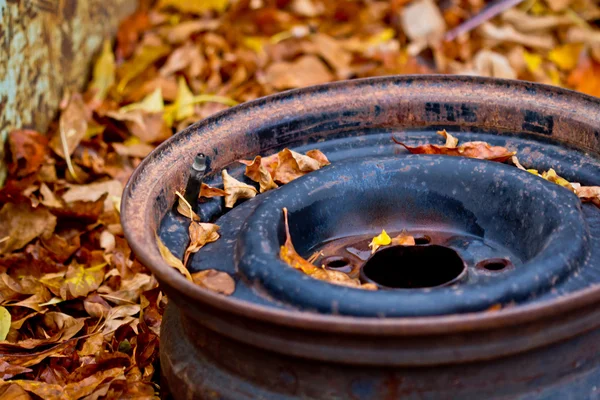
<point>586,77</point>
<point>451,141</point>
<point>589,194</point>
<point>383,239</point>
<point>143,58</point>
<point>288,253</point>
<point>258,173</point>
<point>551,176</point>
<point>79,280</point>
<point>28,151</point>
<point>216,281</point>
<point>94,191</point>
<point>479,150</point>
<point>293,165</point>
<point>104,72</point>
<point>5,320</point>
<point>509,34</point>
<point>489,63</point>
<point>403,239</point>
<point>566,56</point>
<point>236,190</point>
<point>209,191</point>
<point>335,277</point>
<point>422,21</point>
<point>184,208</point>
<point>72,127</point>
<point>306,71</point>
<point>194,7</point>
<point>21,224</point>
<point>200,234</point>
<point>171,259</point>
<point>7,370</point>
<point>139,149</point>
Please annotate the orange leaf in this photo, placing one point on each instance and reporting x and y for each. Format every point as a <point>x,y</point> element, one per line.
<point>479,150</point>
<point>258,173</point>
<point>288,253</point>
<point>216,281</point>
<point>209,191</point>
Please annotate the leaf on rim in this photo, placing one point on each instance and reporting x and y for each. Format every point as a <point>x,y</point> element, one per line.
<point>200,233</point>
<point>28,151</point>
<point>383,239</point>
<point>589,194</point>
<point>209,191</point>
<point>236,190</point>
<point>479,150</point>
<point>451,141</point>
<point>216,281</point>
<point>288,253</point>
<point>258,173</point>
<point>293,165</point>
<point>21,224</point>
<point>403,239</point>
<point>171,259</point>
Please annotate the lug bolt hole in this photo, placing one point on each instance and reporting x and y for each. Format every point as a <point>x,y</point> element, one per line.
<point>495,264</point>
<point>422,239</point>
<point>337,263</point>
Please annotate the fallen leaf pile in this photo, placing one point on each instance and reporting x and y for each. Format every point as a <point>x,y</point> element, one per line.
<point>79,316</point>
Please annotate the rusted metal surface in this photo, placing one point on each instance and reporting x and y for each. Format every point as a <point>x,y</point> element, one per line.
<point>511,110</point>
<point>47,46</point>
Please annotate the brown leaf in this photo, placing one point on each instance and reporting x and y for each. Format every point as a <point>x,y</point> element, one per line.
<point>13,392</point>
<point>28,151</point>
<point>171,259</point>
<point>236,190</point>
<point>451,141</point>
<point>49,199</point>
<point>79,280</point>
<point>258,173</point>
<point>589,194</point>
<point>182,31</point>
<point>94,191</point>
<point>139,150</point>
<point>21,224</point>
<point>403,239</point>
<point>479,150</point>
<point>217,281</point>
<point>335,277</point>
<point>184,208</point>
<point>183,57</point>
<point>129,33</point>
<point>149,127</point>
<point>209,191</point>
<point>200,234</point>
<point>72,127</point>
<point>293,165</point>
<point>82,210</point>
<point>306,71</point>
<point>288,253</point>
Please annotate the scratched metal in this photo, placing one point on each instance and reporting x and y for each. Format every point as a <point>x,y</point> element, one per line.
<point>550,127</point>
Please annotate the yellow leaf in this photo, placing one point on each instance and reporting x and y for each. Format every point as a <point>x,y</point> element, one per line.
<point>152,103</point>
<point>383,36</point>
<point>184,100</point>
<point>566,56</point>
<point>195,6</point>
<point>171,259</point>
<point>80,280</point>
<point>533,61</point>
<point>383,239</point>
<point>254,43</point>
<point>552,176</point>
<point>5,319</point>
<point>145,57</point>
<point>104,72</point>
<point>554,76</point>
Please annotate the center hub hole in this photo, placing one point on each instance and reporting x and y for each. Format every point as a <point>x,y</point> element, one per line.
<point>411,267</point>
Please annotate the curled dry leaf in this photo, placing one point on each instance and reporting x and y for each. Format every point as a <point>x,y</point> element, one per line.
<point>209,191</point>
<point>589,194</point>
<point>383,239</point>
<point>21,224</point>
<point>94,191</point>
<point>292,165</point>
<point>236,190</point>
<point>507,33</point>
<point>479,150</point>
<point>184,208</point>
<point>288,253</point>
<point>451,141</point>
<point>403,239</point>
<point>258,173</point>
<point>216,281</point>
<point>200,234</point>
<point>171,259</point>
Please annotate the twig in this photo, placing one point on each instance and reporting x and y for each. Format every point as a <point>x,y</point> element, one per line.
<point>497,7</point>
